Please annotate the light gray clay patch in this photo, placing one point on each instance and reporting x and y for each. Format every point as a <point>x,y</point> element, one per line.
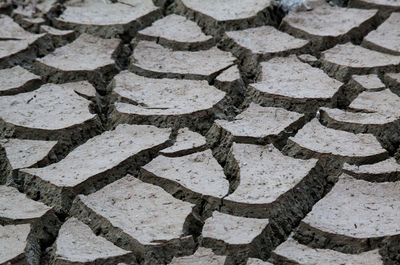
<point>140,217</point>
<point>107,19</point>
<point>178,33</point>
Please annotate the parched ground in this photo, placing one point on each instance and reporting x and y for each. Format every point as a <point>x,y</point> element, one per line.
<point>199,132</point>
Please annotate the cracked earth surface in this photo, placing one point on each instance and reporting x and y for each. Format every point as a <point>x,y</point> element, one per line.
<point>199,132</point>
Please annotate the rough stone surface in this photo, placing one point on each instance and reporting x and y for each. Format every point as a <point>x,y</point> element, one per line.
<point>263,43</point>
<point>140,217</point>
<point>194,176</point>
<point>52,112</point>
<point>17,80</point>
<point>356,215</point>
<point>316,140</point>
<point>287,82</point>
<point>167,102</point>
<point>177,32</point>
<point>93,164</point>
<point>107,19</point>
<point>326,25</point>
<point>386,170</point>
<point>87,57</point>
<point>255,124</point>
<point>16,246</point>
<point>292,251</point>
<point>186,142</point>
<point>77,244</point>
<point>200,257</point>
<point>386,38</point>
<point>151,59</point>
<point>16,44</point>
<point>267,181</point>
<point>228,234</point>
<point>345,60</point>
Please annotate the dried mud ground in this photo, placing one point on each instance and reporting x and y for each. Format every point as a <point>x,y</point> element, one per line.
<point>199,132</point>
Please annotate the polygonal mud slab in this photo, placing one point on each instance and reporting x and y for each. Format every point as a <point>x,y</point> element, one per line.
<point>308,58</point>
<point>178,33</point>
<point>153,60</point>
<point>231,82</point>
<point>354,216</point>
<point>16,208</point>
<point>255,124</point>
<point>186,142</point>
<point>384,102</point>
<point>26,153</point>
<point>386,38</point>
<point>263,43</point>
<point>385,127</point>
<point>292,252</point>
<point>52,112</point>
<point>221,15</point>
<point>34,11</point>
<point>384,171</point>
<point>200,257</point>
<point>18,246</point>
<point>191,177</point>
<point>86,58</point>
<point>287,82</point>
<point>270,184</point>
<point>77,244</point>
<point>238,236</point>
<point>392,80</point>
<point>107,19</point>
<point>316,140</point>
<point>31,24</point>
<point>140,217</point>
<point>345,60</point>
<point>368,82</point>
<point>16,44</point>
<point>85,89</point>
<point>164,102</point>
<point>327,25</point>
<point>17,80</point>
<point>95,163</point>
<point>254,261</point>
<point>382,5</point>
<point>358,84</point>
<point>57,36</point>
